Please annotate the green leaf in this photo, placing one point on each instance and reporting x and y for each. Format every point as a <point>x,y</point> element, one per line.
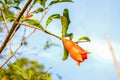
<point>42,2</point>
<point>8,2</point>
<point>2,2</point>
<point>54,16</point>
<point>70,36</point>
<point>10,16</point>
<point>66,14</point>
<point>35,1</point>
<point>84,38</point>
<point>34,22</point>
<point>65,55</point>
<point>16,7</point>
<point>17,2</point>
<point>38,10</point>
<point>1,18</point>
<point>65,20</point>
<point>30,74</point>
<point>59,1</point>
<point>64,26</point>
<point>20,70</point>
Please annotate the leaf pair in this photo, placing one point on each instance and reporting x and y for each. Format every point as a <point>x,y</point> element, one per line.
<point>65,21</point>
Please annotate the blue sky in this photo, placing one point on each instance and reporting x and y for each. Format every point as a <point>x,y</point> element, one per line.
<point>93,18</point>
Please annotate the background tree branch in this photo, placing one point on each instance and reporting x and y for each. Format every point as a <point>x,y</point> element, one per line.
<point>14,26</point>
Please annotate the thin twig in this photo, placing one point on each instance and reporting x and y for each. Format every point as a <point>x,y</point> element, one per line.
<point>31,5</point>
<point>5,62</point>
<point>5,22</point>
<point>35,27</point>
<point>24,34</point>
<point>14,26</point>
<point>113,56</point>
<point>13,54</point>
<point>43,15</point>
<point>21,22</point>
<point>6,26</point>
<point>17,27</point>
<point>25,39</point>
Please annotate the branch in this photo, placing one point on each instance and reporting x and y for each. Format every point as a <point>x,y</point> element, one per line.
<point>14,26</point>
<point>6,26</point>
<point>43,15</point>
<point>113,56</point>
<point>35,27</point>
<point>25,39</point>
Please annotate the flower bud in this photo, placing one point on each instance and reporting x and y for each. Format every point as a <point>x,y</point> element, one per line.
<point>75,51</point>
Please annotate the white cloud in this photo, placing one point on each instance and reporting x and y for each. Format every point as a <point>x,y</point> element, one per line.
<point>100,51</point>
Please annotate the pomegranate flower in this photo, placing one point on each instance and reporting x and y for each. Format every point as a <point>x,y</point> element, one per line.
<point>28,15</point>
<point>75,51</point>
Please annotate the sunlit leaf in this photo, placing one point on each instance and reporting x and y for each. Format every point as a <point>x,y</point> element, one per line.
<point>42,2</point>
<point>20,70</point>
<point>38,10</point>
<point>65,20</point>
<point>59,1</point>
<point>30,74</point>
<point>54,16</point>
<point>34,22</point>
<point>65,55</point>
<point>10,16</point>
<point>64,26</point>
<point>66,14</point>
<point>84,38</point>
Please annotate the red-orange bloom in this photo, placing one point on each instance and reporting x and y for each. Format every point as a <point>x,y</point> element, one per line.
<point>28,15</point>
<point>75,51</point>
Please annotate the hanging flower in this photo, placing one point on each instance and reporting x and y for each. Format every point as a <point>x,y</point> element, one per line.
<point>75,51</point>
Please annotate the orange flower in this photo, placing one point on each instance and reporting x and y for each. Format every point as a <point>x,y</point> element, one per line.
<point>28,15</point>
<point>75,51</point>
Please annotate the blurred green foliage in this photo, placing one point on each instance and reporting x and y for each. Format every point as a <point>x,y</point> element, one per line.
<point>24,69</point>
